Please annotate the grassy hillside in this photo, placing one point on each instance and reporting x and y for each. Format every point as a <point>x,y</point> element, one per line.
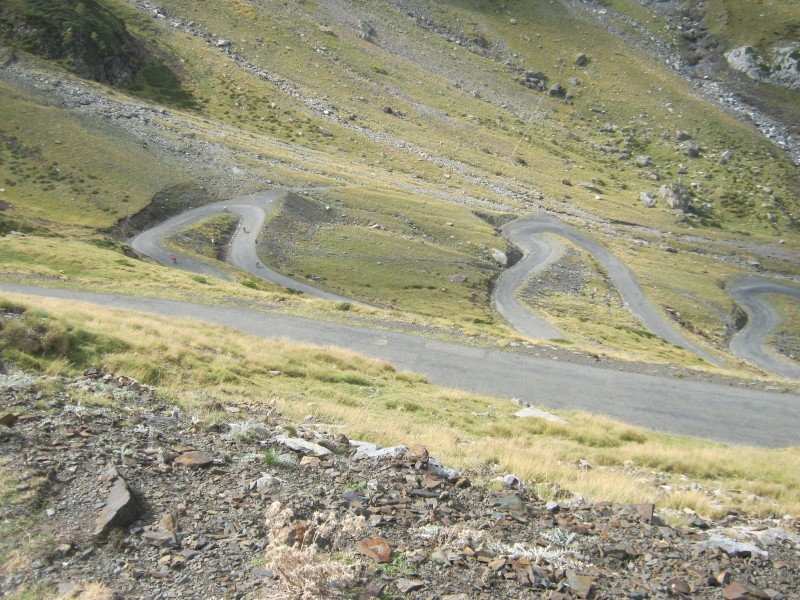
<point>423,130</point>
<point>202,369</point>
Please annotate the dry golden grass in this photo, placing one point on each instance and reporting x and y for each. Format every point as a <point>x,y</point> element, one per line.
<point>200,367</point>
<point>88,591</point>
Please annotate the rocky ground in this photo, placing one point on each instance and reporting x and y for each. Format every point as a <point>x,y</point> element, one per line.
<point>127,491</point>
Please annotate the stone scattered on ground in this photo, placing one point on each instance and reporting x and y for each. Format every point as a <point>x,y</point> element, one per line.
<point>152,503</point>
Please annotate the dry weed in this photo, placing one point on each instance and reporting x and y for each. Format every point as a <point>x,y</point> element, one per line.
<point>305,572</point>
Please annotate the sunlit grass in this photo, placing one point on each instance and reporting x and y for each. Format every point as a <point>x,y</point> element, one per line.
<point>202,367</point>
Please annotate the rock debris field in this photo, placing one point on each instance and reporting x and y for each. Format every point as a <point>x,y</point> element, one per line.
<point>130,493</point>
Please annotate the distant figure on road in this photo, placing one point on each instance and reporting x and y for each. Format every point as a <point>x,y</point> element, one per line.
<point>258,264</point>
<point>174,260</point>
<point>225,209</point>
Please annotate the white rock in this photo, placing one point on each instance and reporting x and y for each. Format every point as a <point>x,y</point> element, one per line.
<point>303,446</point>
<point>529,412</point>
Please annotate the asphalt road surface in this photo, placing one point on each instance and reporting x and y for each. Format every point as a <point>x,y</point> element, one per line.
<point>716,412</point>
<point>525,233</point>
<point>253,211</point>
<point>750,343</point>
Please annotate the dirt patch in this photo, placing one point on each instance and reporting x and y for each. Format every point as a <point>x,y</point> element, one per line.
<point>165,204</point>
<point>568,275</point>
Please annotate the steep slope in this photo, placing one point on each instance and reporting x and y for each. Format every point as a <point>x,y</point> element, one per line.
<point>422,129</point>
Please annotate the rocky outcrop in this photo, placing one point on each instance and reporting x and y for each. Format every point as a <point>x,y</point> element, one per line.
<point>85,35</point>
<point>779,65</point>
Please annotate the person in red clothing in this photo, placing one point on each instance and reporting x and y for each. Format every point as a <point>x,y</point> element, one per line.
<point>174,260</point>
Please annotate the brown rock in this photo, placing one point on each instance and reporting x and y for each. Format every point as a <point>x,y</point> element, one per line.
<point>8,419</point>
<point>742,591</point>
<point>581,585</point>
<point>417,454</point>
<point>430,481</point>
<point>376,548</point>
<point>195,459</point>
<point>121,509</point>
<point>497,564</point>
<point>646,511</point>
<point>294,535</point>
<point>169,522</point>
<point>679,587</point>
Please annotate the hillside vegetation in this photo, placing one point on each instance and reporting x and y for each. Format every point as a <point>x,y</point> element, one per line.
<point>422,130</point>
<point>404,134</point>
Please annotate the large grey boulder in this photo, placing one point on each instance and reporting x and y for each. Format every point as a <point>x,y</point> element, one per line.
<point>675,195</point>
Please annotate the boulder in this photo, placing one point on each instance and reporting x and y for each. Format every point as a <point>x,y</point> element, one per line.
<point>647,199</point>
<point>777,64</point>
<point>692,149</point>
<point>500,257</point>
<point>675,195</point>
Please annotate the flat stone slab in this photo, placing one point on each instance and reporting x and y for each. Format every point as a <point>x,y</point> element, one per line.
<point>195,459</point>
<point>121,509</point>
<point>303,446</point>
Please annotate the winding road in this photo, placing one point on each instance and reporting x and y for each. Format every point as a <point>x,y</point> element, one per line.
<point>539,252</point>
<point>253,211</point>
<point>524,232</point>
<point>721,413</point>
<point>750,343</point>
